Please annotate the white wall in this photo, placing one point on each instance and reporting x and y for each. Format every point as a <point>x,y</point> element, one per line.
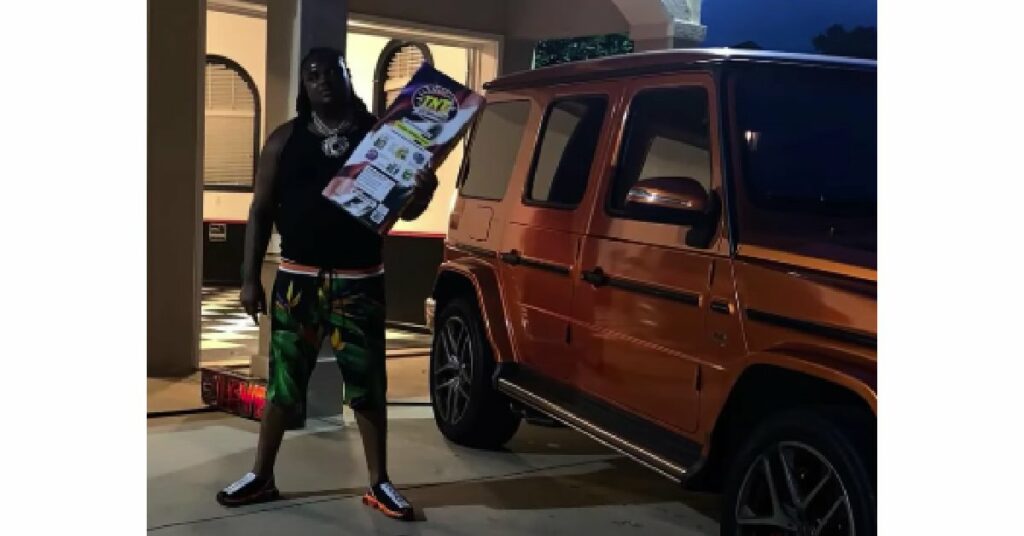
<point>453,61</point>
<point>244,40</point>
<point>362,52</point>
<point>487,16</point>
<point>552,19</point>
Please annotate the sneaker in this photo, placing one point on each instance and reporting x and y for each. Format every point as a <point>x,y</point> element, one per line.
<point>249,489</point>
<point>385,497</point>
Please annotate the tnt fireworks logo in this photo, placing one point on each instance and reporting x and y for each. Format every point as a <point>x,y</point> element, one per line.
<point>435,103</point>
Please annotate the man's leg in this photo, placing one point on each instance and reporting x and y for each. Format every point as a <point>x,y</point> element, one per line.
<point>272,429</point>
<point>295,328</point>
<point>357,334</point>
<point>373,428</point>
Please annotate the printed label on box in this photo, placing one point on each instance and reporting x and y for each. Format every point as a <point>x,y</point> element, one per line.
<point>375,183</point>
<point>358,203</point>
<point>379,213</point>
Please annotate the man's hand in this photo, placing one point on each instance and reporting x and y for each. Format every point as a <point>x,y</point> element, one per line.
<point>426,183</point>
<point>422,193</point>
<point>254,299</point>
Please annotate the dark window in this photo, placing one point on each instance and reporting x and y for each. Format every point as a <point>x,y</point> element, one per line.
<point>232,126</point>
<point>568,141</point>
<point>667,136</point>
<point>493,149</point>
<point>808,149</point>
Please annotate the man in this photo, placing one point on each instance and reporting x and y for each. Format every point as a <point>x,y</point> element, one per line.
<point>331,280</point>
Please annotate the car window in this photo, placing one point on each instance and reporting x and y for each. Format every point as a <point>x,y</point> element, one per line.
<point>667,136</point>
<point>493,149</point>
<point>809,141</point>
<point>808,148</point>
<point>569,138</point>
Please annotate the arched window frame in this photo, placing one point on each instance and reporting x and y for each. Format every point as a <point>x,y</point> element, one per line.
<point>217,59</point>
<point>380,74</point>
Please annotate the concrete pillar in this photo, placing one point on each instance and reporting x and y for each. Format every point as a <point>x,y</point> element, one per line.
<point>176,49</point>
<point>676,34</point>
<point>282,62</point>
<point>661,24</point>
<point>259,364</point>
<point>293,27</point>
<point>517,55</point>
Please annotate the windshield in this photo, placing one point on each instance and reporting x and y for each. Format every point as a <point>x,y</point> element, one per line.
<point>808,151</point>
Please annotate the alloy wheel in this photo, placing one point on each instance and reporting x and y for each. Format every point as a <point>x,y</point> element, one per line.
<point>453,370</point>
<point>791,489</point>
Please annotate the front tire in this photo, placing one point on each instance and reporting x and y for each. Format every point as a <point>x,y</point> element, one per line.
<point>804,473</point>
<point>467,409</point>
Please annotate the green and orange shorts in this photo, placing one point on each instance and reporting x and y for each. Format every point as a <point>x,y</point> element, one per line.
<point>344,306</point>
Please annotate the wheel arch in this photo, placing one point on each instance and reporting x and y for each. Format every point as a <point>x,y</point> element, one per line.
<point>772,384</point>
<point>476,281</point>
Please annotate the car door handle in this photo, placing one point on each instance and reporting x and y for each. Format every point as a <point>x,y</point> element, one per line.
<point>720,306</point>
<point>595,277</point>
<point>512,257</point>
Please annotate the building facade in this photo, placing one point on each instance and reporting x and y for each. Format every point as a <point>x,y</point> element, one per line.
<point>222,73</point>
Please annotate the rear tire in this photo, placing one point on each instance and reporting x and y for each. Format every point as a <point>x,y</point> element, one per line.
<point>468,409</point>
<point>829,455</point>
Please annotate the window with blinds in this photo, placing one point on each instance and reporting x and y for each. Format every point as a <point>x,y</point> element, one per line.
<point>232,126</point>
<point>398,62</point>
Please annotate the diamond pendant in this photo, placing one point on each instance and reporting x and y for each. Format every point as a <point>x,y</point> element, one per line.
<point>334,146</point>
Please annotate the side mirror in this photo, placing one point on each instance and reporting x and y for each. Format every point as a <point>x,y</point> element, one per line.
<point>668,199</point>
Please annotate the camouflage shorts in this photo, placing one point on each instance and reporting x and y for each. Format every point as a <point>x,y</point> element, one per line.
<point>349,312</point>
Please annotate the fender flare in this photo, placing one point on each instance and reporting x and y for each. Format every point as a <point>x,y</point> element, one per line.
<point>487,287</point>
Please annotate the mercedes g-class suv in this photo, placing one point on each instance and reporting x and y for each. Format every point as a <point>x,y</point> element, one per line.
<point>674,253</point>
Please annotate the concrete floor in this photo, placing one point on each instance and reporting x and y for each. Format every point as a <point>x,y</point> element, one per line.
<point>547,482</point>
<point>173,394</point>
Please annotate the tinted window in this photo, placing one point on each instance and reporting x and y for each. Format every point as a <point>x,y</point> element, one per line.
<point>492,153</point>
<point>667,135</point>
<point>808,149</point>
<point>568,140</point>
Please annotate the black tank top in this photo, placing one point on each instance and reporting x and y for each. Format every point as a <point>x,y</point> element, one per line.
<point>313,230</point>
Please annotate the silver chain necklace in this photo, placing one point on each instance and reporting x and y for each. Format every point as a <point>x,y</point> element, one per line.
<point>333,145</point>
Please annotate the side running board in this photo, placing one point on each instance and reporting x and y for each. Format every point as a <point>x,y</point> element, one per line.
<point>671,455</point>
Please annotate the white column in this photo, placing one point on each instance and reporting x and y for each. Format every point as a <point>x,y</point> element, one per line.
<point>282,61</point>
<point>174,202</point>
<point>293,27</point>
<point>517,55</point>
<point>661,24</point>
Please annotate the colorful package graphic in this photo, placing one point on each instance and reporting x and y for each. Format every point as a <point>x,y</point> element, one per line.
<point>418,131</point>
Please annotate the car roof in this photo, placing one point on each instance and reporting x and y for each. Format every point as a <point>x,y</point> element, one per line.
<point>663,61</point>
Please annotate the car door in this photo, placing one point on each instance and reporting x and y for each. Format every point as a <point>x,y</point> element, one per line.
<point>546,222</point>
<point>643,294</point>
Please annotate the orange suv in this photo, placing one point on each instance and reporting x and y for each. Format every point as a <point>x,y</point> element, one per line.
<point>674,253</point>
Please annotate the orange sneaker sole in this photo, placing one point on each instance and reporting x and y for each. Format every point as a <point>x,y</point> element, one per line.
<point>372,502</point>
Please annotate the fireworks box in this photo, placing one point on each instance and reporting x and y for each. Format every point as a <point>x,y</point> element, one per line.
<point>417,132</point>
<point>232,390</point>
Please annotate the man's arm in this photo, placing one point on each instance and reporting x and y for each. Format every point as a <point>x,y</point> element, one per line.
<point>261,212</point>
<point>416,208</point>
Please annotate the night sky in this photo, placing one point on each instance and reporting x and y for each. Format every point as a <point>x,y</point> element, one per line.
<point>787,25</point>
